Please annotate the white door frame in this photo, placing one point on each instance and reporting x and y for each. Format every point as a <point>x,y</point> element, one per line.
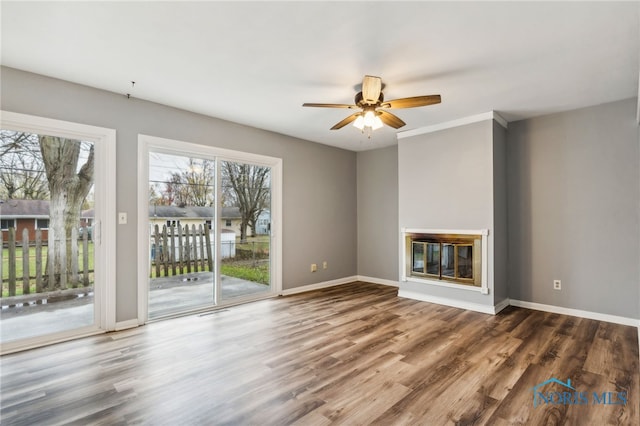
<point>104,140</point>
<point>147,144</point>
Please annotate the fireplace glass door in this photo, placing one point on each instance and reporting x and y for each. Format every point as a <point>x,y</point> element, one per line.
<point>418,257</point>
<point>453,259</point>
<point>464,261</point>
<point>448,261</point>
<point>433,259</point>
<point>426,258</point>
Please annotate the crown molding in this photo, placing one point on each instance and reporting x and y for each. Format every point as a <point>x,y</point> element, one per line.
<point>491,115</point>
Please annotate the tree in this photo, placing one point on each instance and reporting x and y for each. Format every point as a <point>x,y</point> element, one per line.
<point>192,186</point>
<point>22,174</point>
<point>246,186</point>
<point>68,188</point>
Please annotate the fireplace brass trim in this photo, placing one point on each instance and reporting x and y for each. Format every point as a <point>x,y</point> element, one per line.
<point>474,239</point>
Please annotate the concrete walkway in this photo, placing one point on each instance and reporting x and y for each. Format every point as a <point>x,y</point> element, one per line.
<point>167,295</point>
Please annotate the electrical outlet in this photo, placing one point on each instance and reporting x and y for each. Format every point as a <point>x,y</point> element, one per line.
<point>325,265</point>
<point>557,285</point>
<point>122,218</point>
<point>314,267</point>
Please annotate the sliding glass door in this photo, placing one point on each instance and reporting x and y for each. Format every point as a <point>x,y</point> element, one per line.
<point>182,233</point>
<point>209,227</point>
<point>56,201</point>
<point>245,224</point>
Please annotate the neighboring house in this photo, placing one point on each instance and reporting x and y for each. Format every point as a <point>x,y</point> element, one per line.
<point>86,218</point>
<point>173,215</point>
<point>197,216</point>
<point>32,215</point>
<point>24,214</point>
<point>263,224</point>
<point>86,222</point>
<point>231,219</point>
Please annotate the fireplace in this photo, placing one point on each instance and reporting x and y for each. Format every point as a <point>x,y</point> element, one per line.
<point>445,257</point>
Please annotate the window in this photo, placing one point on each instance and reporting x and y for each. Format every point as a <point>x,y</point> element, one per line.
<point>42,223</point>
<point>228,222</point>
<point>5,224</point>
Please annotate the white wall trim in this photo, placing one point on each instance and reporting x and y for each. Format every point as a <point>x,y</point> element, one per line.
<point>381,281</point>
<point>477,307</point>
<point>143,240</point>
<point>39,341</point>
<point>124,325</point>
<point>318,286</point>
<point>576,313</point>
<point>504,303</point>
<point>491,115</point>
<point>483,232</point>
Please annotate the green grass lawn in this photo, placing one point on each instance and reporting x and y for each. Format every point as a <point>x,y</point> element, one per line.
<point>257,274</point>
<point>242,270</point>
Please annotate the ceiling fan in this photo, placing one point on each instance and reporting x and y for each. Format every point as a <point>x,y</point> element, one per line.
<point>370,101</point>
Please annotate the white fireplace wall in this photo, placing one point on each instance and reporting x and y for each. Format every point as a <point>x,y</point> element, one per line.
<point>455,179</point>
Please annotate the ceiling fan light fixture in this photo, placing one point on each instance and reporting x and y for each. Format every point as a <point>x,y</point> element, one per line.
<point>370,101</point>
<point>359,123</point>
<point>369,118</point>
<point>377,123</point>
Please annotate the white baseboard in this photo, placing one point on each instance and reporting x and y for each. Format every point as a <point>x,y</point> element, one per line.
<point>477,307</point>
<point>123,325</point>
<point>502,304</point>
<point>339,281</point>
<point>576,313</point>
<point>381,281</point>
<point>318,286</point>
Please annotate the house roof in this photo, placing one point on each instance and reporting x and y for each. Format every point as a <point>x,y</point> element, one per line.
<point>175,212</point>
<point>16,209</point>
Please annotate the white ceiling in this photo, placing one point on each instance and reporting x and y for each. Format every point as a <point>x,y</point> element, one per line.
<point>255,63</point>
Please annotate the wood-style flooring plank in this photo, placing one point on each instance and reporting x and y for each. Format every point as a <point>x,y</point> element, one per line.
<point>354,354</point>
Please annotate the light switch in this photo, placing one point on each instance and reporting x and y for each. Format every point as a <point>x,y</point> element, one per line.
<point>122,218</point>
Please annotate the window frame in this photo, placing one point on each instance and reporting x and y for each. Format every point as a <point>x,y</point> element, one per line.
<point>7,228</point>
<point>41,228</point>
<point>147,144</point>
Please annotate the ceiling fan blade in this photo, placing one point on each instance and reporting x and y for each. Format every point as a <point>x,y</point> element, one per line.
<point>416,101</point>
<point>390,119</point>
<point>346,121</point>
<point>329,105</point>
<point>371,88</point>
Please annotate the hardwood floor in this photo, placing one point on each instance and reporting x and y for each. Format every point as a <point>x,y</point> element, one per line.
<point>354,354</point>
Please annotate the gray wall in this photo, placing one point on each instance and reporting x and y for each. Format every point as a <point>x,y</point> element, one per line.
<point>574,200</point>
<point>378,229</point>
<point>319,182</point>
<point>500,216</point>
